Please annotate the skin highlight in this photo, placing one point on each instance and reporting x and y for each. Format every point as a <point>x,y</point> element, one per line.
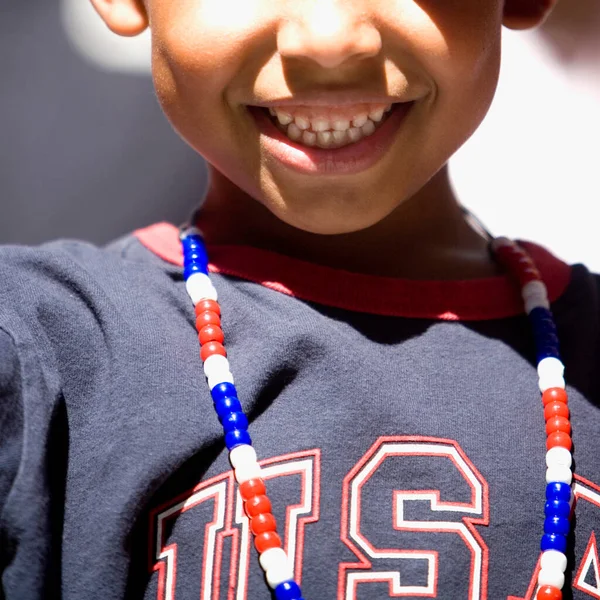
<point>214,58</point>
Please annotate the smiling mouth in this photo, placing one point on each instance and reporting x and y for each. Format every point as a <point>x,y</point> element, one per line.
<point>330,129</point>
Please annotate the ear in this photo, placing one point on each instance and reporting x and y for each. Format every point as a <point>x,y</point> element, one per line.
<point>525,14</point>
<point>124,17</point>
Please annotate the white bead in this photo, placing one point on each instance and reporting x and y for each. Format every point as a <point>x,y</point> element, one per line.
<point>546,383</point>
<point>222,378</point>
<point>534,288</point>
<point>550,577</point>
<point>273,557</point>
<point>536,302</point>
<point>550,367</point>
<point>279,574</point>
<point>243,454</point>
<point>216,369</point>
<point>215,364</point>
<point>553,560</point>
<point>200,287</point>
<point>559,473</point>
<point>247,471</point>
<point>558,457</point>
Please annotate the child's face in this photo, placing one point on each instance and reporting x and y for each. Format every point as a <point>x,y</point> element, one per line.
<point>213,59</point>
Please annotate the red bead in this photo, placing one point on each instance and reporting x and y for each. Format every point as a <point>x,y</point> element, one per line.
<point>263,522</point>
<point>549,592</point>
<point>266,541</point>
<point>556,409</point>
<point>211,333</point>
<point>205,305</point>
<point>212,348</point>
<point>529,274</point>
<point>554,395</point>
<point>207,317</point>
<point>559,438</point>
<point>515,259</point>
<point>253,487</point>
<point>558,424</point>
<point>525,264</point>
<point>508,251</point>
<point>257,504</point>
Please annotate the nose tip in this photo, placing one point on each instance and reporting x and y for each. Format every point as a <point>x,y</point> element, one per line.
<point>329,35</point>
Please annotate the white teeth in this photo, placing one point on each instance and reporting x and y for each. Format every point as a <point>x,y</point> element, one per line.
<point>284,118</point>
<point>376,115</point>
<point>294,132</point>
<point>339,137</point>
<point>332,132</point>
<point>309,138</point>
<point>354,133</point>
<point>320,124</point>
<point>324,138</point>
<point>341,125</point>
<point>368,128</point>
<point>302,123</point>
<point>360,120</point>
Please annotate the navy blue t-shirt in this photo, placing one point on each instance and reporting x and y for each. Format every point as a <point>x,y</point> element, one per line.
<point>398,422</point>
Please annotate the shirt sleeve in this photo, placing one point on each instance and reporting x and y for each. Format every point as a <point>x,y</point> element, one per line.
<point>11,416</point>
<point>32,473</point>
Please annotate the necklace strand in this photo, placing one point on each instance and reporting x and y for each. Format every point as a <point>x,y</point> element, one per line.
<point>273,559</point>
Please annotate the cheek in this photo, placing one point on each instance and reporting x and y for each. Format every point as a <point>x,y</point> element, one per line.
<point>468,40</point>
<point>200,46</point>
<point>459,46</point>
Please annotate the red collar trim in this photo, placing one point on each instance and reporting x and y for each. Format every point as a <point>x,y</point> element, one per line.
<point>468,300</point>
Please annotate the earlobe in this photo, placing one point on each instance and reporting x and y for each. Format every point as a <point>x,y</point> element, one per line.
<point>123,17</point>
<point>525,14</point>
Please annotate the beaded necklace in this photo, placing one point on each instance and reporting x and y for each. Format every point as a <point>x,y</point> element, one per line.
<point>273,559</point>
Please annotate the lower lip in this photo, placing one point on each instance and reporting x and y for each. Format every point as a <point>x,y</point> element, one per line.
<point>347,160</point>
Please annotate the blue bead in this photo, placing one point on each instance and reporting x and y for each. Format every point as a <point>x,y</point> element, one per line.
<point>547,350</point>
<point>234,420</point>
<point>190,269</point>
<point>540,315</point>
<point>191,246</point>
<point>554,541</point>
<point>194,253</point>
<point>223,390</point>
<point>227,405</point>
<point>541,318</point>
<point>557,508</point>
<point>192,240</point>
<point>197,254</point>
<point>543,350</point>
<point>236,437</point>
<point>288,590</point>
<point>199,265</point>
<point>556,525</point>
<point>545,338</point>
<point>541,329</point>
<point>558,490</point>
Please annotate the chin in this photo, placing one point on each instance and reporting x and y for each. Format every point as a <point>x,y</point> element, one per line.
<point>329,222</point>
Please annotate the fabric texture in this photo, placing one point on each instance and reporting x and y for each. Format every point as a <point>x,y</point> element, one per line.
<point>404,455</point>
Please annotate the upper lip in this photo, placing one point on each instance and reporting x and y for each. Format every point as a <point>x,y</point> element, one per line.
<point>330,99</point>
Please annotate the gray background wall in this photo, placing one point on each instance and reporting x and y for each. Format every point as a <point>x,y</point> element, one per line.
<point>83,152</point>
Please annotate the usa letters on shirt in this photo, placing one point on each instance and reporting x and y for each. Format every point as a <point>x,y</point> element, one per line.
<point>204,532</point>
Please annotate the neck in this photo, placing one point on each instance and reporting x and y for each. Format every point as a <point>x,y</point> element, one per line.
<point>426,237</point>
